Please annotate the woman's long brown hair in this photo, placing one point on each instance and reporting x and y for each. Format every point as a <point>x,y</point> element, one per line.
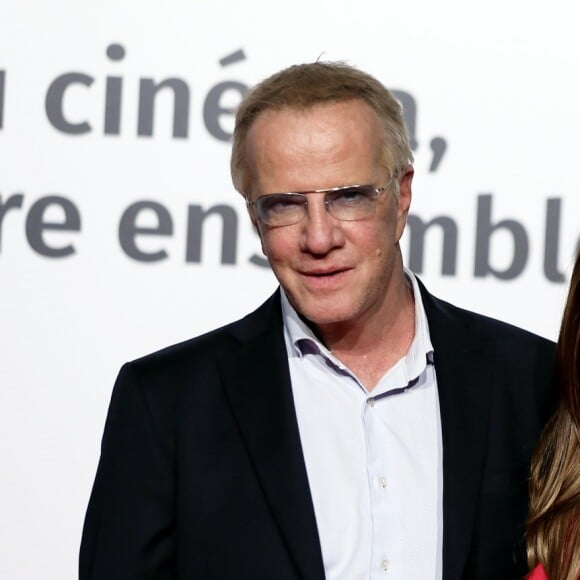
<point>553,530</point>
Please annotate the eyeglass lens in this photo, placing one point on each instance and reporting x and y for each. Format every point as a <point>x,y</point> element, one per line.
<point>345,204</point>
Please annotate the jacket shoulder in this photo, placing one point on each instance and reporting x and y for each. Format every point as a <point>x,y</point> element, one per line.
<point>446,317</point>
<point>163,380</point>
<point>215,344</point>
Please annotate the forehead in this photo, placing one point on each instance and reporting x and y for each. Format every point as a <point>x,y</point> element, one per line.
<point>308,147</point>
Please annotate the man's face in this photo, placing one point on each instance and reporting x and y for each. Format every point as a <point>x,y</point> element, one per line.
<point>332,271</point>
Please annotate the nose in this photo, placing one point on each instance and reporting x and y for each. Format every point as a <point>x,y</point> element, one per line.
<point>321,233</point>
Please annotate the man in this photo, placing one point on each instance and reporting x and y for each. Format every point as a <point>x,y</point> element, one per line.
<point>354,426</point>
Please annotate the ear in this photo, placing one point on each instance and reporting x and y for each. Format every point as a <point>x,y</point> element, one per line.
<point>404,200</point>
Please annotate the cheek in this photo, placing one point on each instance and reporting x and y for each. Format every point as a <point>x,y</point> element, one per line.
<point>265,246</point>
<point>275,246</point>
<point>374,241</point>
<point>378,246</point>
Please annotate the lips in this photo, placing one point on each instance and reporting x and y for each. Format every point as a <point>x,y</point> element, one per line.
<point>325,272</point>
<point>324,279</point>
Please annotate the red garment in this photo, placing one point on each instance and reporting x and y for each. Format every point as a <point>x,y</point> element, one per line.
<point>538,573</point>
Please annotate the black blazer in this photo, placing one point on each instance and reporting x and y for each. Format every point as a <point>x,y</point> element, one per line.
<point>202,475</point>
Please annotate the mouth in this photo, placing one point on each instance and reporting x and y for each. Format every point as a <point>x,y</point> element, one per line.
<point>326,273</point>
<point>325,280</point>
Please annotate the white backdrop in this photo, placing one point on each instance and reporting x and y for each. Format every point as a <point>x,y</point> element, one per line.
<point>496,82</point>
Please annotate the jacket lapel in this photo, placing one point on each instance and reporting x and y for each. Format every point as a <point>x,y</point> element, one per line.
<point>464,365</point>
<point>257,384</point>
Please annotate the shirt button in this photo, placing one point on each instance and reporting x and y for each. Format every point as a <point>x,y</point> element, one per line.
<point>371,402</point>
<point>385,564</point>
<point>383,481</point>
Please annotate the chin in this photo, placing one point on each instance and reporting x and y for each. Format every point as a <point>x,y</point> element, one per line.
<point>326,314</point>
<point>324,308</point>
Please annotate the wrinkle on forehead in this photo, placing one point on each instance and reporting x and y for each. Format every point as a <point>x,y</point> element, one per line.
<point>317,140</point>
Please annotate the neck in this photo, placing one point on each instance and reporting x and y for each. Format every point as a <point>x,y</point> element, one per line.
<point>372,345</point>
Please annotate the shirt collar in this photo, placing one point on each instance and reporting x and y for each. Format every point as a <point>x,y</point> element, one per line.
<point>301,341</point>
<point>299,337</point>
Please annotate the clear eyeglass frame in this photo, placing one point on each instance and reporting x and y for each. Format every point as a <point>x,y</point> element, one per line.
<point>344,203</point>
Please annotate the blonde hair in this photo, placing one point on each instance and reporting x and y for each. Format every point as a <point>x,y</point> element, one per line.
<point>553,528</point>
<point>306,85</point>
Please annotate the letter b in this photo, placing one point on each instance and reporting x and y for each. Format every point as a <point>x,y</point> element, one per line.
<point>484,231</point>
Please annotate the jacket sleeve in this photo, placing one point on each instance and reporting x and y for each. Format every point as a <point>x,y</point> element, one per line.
<point>129,526</point>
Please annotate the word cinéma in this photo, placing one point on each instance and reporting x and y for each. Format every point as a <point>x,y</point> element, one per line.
<point>145,243</point>
<point>69,112</point>
<point>219,103</point>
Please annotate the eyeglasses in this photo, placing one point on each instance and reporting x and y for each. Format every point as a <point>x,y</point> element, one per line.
<point>347,203</point>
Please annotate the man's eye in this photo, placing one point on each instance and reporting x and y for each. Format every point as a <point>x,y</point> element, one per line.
<point>350,197</point>
<point>274,204</point>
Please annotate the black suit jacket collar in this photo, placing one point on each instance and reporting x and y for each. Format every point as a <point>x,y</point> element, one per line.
<point>464,366</point>
<point>264,410</point>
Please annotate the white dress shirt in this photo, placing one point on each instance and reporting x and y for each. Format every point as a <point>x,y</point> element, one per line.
<point>374,460</point>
